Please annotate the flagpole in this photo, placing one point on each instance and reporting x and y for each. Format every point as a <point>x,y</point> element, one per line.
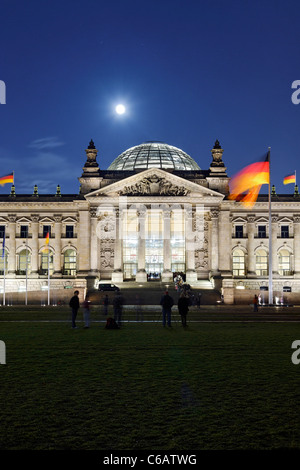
<point>48,275</point>
<point>4,264</point>
<point>270,235</point>
<point>26,279</point>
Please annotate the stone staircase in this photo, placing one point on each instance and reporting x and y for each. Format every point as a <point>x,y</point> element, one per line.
<point>150,293</point>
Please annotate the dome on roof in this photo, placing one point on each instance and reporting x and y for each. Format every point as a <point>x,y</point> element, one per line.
<point>154,155</point>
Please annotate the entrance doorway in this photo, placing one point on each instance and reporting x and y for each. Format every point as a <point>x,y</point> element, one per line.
<point>154,271</point>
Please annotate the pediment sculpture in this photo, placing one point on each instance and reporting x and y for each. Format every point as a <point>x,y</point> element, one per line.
<point>154,185</point>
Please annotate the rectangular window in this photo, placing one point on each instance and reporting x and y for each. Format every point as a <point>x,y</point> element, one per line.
<point>262,233</point>
<point>284,231</point>
<point>24,231</point>
<point>2,231</point>
<point>69,231</point>
<point>239,231</point>
<point>46,229</point>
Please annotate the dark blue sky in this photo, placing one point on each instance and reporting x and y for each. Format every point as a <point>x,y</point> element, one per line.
<point>189,72</point>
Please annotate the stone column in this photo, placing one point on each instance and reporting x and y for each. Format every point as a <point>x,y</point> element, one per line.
<point>251,258</point>
<point>274,245</point>
<point>167,275</point>
<point>214,242</point>
<point>57,246</point>
<point>225,237</point>
<point>11,261</point>
<point>117,275</point>
<point>35,245</point>
<point>83,241</point>
<point>141,275</point>
<point>191,275</point>
<point>94,243</point>
<point>297,245</point>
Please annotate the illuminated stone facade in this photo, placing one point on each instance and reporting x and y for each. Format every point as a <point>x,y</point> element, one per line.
<point>149,222</point>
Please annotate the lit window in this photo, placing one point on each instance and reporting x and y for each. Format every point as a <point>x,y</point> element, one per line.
<point>44,263</point>
<point>24,262</point>
<point>284,267</point>
<point>3,262</point>
<point>261,263</point>
<point>70,262</point>
<point>238,263</point>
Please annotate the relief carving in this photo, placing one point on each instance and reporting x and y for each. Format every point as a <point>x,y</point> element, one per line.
<point>154,185</point>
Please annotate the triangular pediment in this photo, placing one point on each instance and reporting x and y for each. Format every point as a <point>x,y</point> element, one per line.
<point>154,182</point>
<point>24,220</point>
<point>239,220</point>
<point>262,220</point>
<point>285,220</point>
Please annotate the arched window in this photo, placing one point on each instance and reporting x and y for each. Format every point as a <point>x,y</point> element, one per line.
<point>238,262</point>
<point>45,261</point>
<point>70,262</point>
<point>284,262</point>
<point>3,262</point>
<point>24,262</point>
<point>261,267</point>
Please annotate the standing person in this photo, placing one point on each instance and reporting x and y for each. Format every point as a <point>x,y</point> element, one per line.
<point>86,311</point>
<point>255,303</point>
<point>118,308</point>
<point>183,307</point>
<point>167,303</point>
<point>105,305</point>
<point>74,304</point>
<point>199,299</point>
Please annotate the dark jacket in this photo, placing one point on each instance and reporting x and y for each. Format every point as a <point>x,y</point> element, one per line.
<point>74,302</point>
<point>183,305</point>
<point>166,302</point>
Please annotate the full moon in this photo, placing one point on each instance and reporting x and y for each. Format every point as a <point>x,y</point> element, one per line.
<point>120,109</point>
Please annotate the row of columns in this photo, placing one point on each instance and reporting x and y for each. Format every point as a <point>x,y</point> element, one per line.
<point>117,275</point>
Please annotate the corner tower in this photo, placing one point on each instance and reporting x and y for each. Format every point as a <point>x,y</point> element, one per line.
<point>217,178</point>
<point>90,178</point>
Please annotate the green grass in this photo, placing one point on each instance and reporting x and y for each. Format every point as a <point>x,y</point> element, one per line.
<point>144,387</point>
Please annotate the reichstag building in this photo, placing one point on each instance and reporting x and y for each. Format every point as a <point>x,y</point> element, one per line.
<point>153,213</point>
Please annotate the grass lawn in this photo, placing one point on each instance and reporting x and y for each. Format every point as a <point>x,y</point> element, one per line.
<point>145,387</point>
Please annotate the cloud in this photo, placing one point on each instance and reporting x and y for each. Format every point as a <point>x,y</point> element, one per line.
<point>47,169</point>
<point>46,143</point>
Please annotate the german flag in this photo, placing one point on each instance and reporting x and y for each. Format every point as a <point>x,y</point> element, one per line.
<point>246,184</point>
<point>7,179</point>
<point>289,179</point>
<point>47,239</point>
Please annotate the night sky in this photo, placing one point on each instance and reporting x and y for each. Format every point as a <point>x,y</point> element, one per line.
<point>189,72</point>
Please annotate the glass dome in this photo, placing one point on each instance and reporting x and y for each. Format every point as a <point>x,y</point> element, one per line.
<point>154,155</point>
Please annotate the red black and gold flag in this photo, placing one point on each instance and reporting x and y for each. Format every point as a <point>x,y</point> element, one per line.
<point>289,179</point>
<point>7,179</point>
<point>246,184</point>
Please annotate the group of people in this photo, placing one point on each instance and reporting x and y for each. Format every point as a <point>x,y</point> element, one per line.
<point>166,303</point>
<point>75,305</point>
